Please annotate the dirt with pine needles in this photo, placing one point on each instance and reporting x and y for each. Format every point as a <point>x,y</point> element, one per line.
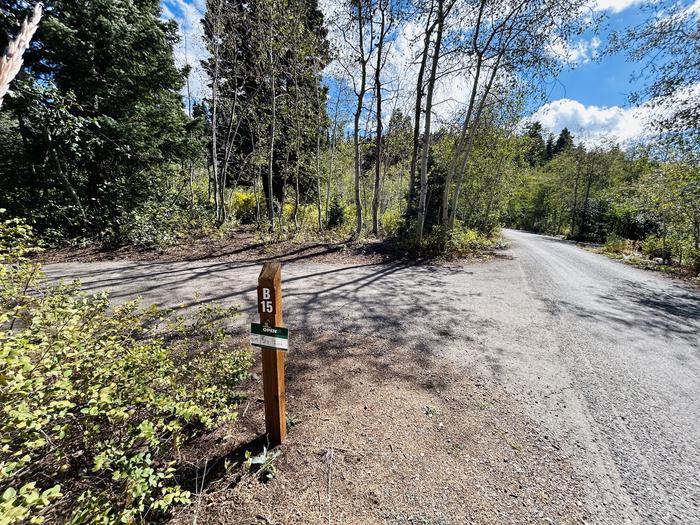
<point>245,244</point>
<point>377,435</point>
<point>241,245</point>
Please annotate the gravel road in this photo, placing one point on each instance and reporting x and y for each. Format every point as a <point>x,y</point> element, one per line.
<point>604,356</point>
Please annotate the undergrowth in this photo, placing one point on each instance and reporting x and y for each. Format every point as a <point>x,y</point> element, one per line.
<point>97,400</point>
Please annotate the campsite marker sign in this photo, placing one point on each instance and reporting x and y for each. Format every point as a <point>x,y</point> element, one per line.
<point>273,338</point>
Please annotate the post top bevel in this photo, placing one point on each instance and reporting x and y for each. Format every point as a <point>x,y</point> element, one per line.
<point>271,273</point>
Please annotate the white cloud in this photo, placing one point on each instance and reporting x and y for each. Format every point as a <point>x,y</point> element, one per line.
<point>190,50</point>
<point>616,6</point>
<point>577,52</point>
<point>595,125</point>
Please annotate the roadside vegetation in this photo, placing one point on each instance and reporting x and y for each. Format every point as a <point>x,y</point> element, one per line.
<point>643,203</point>
<point>303,132</point>
<point>97,400</point>
<point>275,142</point>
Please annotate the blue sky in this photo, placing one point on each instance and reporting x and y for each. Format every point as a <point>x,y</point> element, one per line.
<point>591,95</point>
<point>602,81</point>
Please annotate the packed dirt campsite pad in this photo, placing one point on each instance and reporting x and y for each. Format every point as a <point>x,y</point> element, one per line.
<point>441,392</point>
<point>381,435</point>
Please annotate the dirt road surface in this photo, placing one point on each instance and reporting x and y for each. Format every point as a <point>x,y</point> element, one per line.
<point>604,356</point>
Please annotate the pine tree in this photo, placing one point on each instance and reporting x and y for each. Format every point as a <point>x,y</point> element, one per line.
<point>536,153</point>
<point>99,112</point>
<point>549,148</point>
<point>565,142</point>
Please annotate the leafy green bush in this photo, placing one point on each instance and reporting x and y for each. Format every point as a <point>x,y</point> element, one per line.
<point>619,246</point>
<point>97,400</point>
<point>244,207</point>
<point>458,242</point>
<point>392,220</point>
<point>652,246</point>
<point>158,224</point>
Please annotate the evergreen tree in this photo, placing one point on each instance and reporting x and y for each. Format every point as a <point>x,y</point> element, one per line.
<point>549,148</point>
<point>565,142</point>
<point>99,113</point>
<point>535,154</point>
<point>269,88</point>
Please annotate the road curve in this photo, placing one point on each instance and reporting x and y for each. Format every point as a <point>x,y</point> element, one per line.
<point>603,356</point>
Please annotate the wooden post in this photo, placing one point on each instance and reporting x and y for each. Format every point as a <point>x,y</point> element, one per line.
<point>270,309</point>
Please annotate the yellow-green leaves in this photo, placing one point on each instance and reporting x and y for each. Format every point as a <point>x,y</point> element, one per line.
<point>97,400</point>
<point>18,505</point>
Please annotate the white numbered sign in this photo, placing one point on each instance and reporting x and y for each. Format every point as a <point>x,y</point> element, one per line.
<point>266,303</point>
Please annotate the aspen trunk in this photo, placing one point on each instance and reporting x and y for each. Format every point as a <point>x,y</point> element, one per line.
<point>378,142</point>
<point>318,159</point>
<point>358,116</point>
<point>416,118</point>
<point>428,117</point>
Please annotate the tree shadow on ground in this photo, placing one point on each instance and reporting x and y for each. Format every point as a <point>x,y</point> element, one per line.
<point>647,310</point>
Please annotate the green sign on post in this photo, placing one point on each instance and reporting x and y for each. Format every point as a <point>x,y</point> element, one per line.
<point>269,336</point>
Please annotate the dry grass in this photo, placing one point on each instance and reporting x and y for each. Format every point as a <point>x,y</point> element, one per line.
<point>11,60</point>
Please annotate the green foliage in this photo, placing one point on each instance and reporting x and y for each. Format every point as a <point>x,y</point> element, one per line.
<point>337,216</point>
<point>653,247</point>
<point>619,246</point>
<point>157,224</point>
<point>443,241</point>
<point>607,195</point>
<point>263,464</point>
<point>95,118</point>
<point>456,242</point>
<point>244,206</point>
<point>564,142</point>
<point>97,399</point>
<point>272,53</point>
<point>536,152</point>
<point>392,221</point>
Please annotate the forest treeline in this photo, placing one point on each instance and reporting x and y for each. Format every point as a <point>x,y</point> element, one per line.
<point>307,125</point>
<point>608,195</point>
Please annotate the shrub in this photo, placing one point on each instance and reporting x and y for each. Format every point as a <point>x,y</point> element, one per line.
<point>694,258</point>
<point>467,242</point>
<point>336,214</point>
<point>392,220</point>
<point>159,224</point>
<point>244,208</point>
<point>458,242</point>
<point>652,246</point>
<point>97,401</point>
<point>619,246</point>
